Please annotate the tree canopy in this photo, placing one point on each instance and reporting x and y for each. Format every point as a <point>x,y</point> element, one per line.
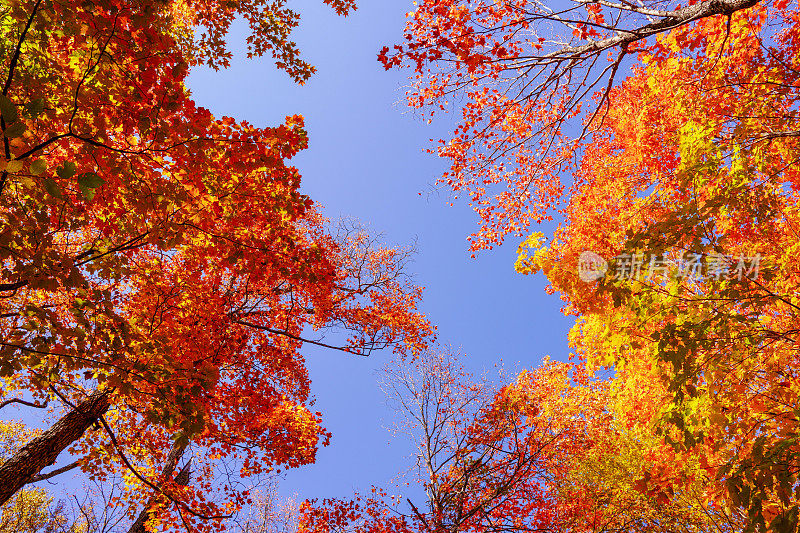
<point>161,270</point>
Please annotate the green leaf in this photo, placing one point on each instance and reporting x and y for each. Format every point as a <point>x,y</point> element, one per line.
<point>53,189</point>
<point>15,130</point>
<point>90,180</point>
<point>35,107</point>
<point>38,167</point>
<point>87,192</point>
<point>67,170</point>
<point>8,109</point>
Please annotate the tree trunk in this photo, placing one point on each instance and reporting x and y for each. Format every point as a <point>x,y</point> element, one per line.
<point>181,479</point>
<point>44,449</point>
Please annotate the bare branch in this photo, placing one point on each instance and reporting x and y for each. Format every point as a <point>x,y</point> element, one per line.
<point>22,402</point>
<point>54,473</point>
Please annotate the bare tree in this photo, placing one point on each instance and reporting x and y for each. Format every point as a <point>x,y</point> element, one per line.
<point>476,462</point>
<point>269,513</point>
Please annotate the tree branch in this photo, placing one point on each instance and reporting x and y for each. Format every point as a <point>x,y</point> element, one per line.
<point>23,402</point>
<point>15,58</point>
<point>54,473</point>
<point>301,339</point>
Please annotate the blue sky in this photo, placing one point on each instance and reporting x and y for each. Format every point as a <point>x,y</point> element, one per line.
<point>366,159</point>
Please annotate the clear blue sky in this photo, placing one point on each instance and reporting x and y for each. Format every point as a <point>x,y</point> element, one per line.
<point>367,160</point>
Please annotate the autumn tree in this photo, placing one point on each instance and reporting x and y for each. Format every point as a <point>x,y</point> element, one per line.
<point>438,401</point>
<point>534,80</point>
<point>556,450</point>
<point>696,164</point>
<point>679,128</point>
<point>31,510</point>
<point>470,477</point>
<point>607,453</point>
<point>160,268</point>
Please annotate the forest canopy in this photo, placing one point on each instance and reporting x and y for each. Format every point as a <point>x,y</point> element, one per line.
<point>164,274</point>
